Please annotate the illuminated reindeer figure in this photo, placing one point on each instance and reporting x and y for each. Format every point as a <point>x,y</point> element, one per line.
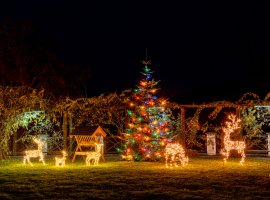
<point>62,160</point>
<point>173,153</point>
<point>229,145</point>
<point>34,153</point>
<point>95,155</point>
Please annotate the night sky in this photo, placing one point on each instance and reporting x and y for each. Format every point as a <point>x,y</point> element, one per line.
<point>201,51</point>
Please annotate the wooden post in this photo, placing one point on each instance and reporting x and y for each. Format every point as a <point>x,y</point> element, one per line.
<point>65,129</point>
<point>70,123</point>
<point>268,144</point>
<point>238,112</point>
<point>14,145</point>
<point>183,127</point>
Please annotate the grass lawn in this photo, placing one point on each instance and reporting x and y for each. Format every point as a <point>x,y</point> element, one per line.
<point>202,178</point>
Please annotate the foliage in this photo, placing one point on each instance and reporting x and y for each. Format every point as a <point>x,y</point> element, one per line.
<point>102,110</point>
<point>254,120</point>
<point>15,105</point>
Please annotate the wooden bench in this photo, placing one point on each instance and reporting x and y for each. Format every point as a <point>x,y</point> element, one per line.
<point>87,141</point>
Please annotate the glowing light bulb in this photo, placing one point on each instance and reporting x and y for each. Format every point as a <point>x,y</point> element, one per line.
<point>143,83</point>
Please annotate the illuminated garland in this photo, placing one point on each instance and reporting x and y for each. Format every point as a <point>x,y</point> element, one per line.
<point>35,153</point>
<point>232,125</point>
<point>62,160</point>
<point>95,155</point>
<point>174,152</point>
<point>147,131</point>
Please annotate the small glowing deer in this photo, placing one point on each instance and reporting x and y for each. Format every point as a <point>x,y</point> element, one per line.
<point>94,155</point>
<point>34,153</point>
<point>59,160</point>
<point>232,125</point>
<point>127,157</point>
<point>173,153</point>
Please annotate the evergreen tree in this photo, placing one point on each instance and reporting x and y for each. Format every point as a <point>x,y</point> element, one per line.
<point>148,121</point>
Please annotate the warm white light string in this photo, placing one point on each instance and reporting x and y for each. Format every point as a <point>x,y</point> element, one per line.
<point>95,155</point>
<point>232,125</point>
<point>61,161</point>
<point>35,153</point>
<point>174,152</point>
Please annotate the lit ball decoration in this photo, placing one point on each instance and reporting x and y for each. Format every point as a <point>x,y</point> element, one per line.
<point>61,161</point>
<point>232,125</point>
<point>95,155</point>
<point>174,153</point>
<point>34,153</point>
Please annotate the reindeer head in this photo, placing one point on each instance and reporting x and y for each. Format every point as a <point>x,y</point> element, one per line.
<point>64,154</point>
<point>232,124</point>
<point>39,142</point>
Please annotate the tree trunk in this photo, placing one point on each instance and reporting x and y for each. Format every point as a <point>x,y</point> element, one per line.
<point>65,130</point>
<point>2,155</point>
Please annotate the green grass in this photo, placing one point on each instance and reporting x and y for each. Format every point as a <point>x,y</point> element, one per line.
<point>202,178</point>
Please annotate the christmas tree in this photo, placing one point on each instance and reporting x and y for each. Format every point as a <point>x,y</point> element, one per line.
<point>148,123</point>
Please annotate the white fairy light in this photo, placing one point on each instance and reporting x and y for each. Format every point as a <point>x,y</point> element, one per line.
<point>175,152</point>
<point>34,153</point>
<point>59,160</point>
<point>232,125</point>
<point>94,155</point>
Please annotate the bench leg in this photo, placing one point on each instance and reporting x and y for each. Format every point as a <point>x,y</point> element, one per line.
<point>74,157</point>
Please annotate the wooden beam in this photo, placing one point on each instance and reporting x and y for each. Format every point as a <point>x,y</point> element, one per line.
<point>65,130</point>
<point>14,146</point>
<point>183,127</point>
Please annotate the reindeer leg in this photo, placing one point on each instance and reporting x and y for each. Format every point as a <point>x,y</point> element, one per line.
<point>175,160</point>
<point>172,160</point>
<point>242,157</point>
<point>87,161</point>
<point>29,161</point>
<point>226,153</point>
<point>166,160</point>
<point>24,160</point>
<point>42,158</point>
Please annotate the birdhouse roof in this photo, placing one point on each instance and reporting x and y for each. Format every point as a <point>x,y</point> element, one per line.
<point>89,130</point>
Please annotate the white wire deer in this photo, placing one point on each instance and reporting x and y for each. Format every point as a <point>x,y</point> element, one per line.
<point>230,126</point>
<point>35,153</point>
<point>174,152</point>
<point>94,155</point>
<point>59,160</point>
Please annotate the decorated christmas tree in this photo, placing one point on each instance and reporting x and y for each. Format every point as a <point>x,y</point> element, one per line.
<point>148,122</point>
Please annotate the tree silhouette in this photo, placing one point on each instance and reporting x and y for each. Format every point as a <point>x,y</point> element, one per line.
<point>26,60</point>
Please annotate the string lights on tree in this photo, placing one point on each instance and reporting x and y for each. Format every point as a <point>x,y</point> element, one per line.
<point>232,125</point>
<point>148,122</point>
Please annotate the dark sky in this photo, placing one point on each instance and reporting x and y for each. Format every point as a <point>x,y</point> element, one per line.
<point>201,51</point>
